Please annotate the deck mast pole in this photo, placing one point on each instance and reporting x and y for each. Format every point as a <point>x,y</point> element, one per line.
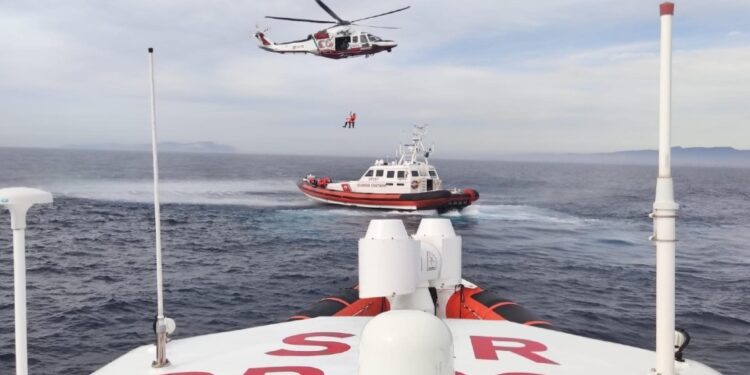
<point>160,325</point>
<point>665,209</point>
<point>18,201</point>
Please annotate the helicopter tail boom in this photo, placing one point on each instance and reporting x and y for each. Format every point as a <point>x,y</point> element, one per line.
<point>300,46</point>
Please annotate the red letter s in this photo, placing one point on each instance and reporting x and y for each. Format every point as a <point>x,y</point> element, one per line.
<point>331,347</point>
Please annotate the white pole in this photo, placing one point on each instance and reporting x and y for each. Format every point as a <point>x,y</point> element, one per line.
<point>665,209</point>
<point>18,201</point>
<point>19,289</point>
<point>160,326</point>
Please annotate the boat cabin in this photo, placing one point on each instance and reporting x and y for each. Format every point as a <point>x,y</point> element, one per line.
<point>389,178</point>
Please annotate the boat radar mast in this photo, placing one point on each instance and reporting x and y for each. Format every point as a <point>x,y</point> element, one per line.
<point>415,152</point>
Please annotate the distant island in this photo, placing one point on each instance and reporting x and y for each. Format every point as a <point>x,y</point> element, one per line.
<point>193,147</point>
<point>688,156</point>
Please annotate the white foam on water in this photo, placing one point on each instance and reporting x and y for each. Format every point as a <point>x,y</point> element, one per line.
<point>258,193</point>
<point>454,213</point>
<point>501,212</point>
<point>332,210</point>
<point>412,213</point>
<point>505,212</point>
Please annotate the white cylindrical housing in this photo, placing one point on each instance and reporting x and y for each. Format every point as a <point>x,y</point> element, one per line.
<point>665,209</point>
<point>388,260</point>
<point>450,270</point>
<point>440,234</point>
<point>406,342</point>
<point>429,262</point>
<point>436,227</point>
<point>19,294</point>
<point>419,300</point>
<point>665,90</point>
<point>665,309</point>
<point>386,229</point>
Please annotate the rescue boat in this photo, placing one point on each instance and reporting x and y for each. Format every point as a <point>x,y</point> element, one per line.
<point>408,183</point>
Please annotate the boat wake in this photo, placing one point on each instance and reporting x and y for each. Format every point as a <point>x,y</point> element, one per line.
<point>320,209</point>
<point>524,213</point>
<point>282,193</point>
<point>500,212</point>
<point>256,193</point>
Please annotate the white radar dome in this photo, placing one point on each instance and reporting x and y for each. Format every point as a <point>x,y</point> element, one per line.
<point>406,342</point>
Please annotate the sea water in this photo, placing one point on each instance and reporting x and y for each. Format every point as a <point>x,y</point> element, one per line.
<point>243,247</point>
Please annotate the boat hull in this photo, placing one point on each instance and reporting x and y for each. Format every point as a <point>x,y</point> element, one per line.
<point>441,200</point>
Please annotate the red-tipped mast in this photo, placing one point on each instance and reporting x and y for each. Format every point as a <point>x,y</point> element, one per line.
<point>665,209</point>
<point>666,9</point>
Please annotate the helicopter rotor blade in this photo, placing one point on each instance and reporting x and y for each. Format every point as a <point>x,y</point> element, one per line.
<point>377,27</point>
<point>331,13</point>
<point>299,19</point>
<point>381,14</point>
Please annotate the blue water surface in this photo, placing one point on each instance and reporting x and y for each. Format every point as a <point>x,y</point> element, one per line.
<point>244,248</point>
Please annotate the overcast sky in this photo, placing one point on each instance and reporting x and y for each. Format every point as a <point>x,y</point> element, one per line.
<point>490,76</point>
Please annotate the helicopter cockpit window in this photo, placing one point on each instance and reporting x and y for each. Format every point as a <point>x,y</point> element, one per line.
<point>364,38</point>
<point>373,38</point>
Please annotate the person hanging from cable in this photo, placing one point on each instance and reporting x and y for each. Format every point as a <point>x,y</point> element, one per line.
<point>348,120</point>
<point>352,120</point>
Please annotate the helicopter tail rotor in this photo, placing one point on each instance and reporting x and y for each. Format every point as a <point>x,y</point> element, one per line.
<point>261,36</point>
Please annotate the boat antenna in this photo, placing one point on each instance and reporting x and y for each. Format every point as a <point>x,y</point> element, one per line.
<point>162,325</point>
<point>18,201</point>
<point>665,209</point>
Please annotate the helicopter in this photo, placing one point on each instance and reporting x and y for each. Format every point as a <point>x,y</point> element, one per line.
<point>339,41</point>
